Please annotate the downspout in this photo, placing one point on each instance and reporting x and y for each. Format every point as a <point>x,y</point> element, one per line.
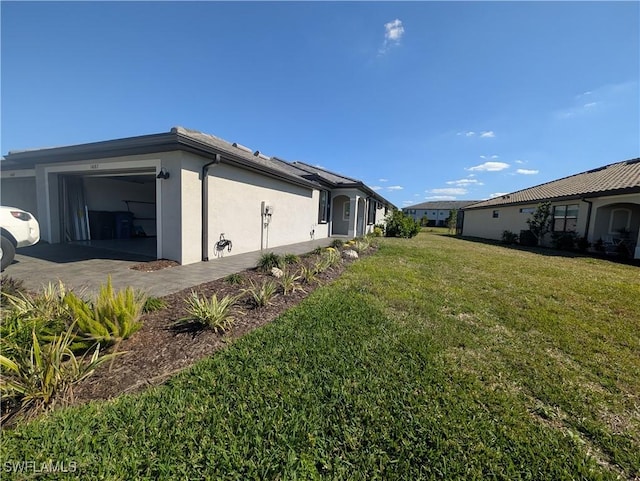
<point>205,207</point>
<point>586,230</point>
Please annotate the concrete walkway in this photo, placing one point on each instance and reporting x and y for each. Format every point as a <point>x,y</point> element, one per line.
<point>84,269</point>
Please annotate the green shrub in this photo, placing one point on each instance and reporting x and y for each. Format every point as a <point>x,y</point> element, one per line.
<point>261,295</point>
<point>289,259</point>
<point>153,304</point>
<point>234,279</point>
<point>213,313</point>
<point>37,376</point>
<point>113,317</point>
<point>509,237</point>
<point>565,241</point>
<point>268,261</point>
<point>378,231</point>
<point>337,243</point>
<point>398,224</point>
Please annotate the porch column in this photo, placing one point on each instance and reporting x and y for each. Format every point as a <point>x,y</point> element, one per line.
<point>353,220</point>
<point>637,253</point>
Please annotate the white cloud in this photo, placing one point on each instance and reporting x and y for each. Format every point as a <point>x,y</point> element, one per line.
<point>465,182</point>
<point>594,101</point>
<point>520,161</point>
<point>440,197</point>
<point>497,194</point>
<point>469,134</point>
<point>395,187</point>
<point>488,157</point>
<point>408,202</point>
<point>383,180</point>
<point>490,167</point>
<point>488,134</point>
<point>527,171</point>
<point>448,191</point>
<point>375,187</point>
<point>393,32</point>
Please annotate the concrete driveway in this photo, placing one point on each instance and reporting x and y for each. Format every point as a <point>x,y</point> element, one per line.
<point>84,269</point>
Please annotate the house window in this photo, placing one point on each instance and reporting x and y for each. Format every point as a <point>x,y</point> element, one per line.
<point>496,214</point>
<point>527,210</point>
<point>371,213</point>
<point>346,210</point>
<point>323,207</point>
<point>565,218</point>
<point>620,221</point>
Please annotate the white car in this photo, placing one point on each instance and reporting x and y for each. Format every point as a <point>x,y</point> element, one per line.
<point>18,228</point>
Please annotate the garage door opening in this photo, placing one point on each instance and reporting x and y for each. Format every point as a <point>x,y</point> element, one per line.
<point>115,211</point>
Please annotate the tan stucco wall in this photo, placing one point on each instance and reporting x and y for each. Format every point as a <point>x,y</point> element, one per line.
<point>481,223</point>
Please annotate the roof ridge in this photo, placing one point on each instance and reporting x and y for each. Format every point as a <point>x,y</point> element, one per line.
<point>296,162</point>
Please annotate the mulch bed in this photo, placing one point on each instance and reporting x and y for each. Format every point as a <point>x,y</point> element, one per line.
<point>161,348</point>
<point>154,265</point>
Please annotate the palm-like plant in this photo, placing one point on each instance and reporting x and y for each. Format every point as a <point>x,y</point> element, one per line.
<point>35,377</point>
<point>261,295</point>
<point>289,282</point>
<point>113,317</point>
<point>213,312</point>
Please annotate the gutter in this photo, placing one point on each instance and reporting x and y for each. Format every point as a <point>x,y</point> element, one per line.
<point>586,229</point>
<point>205,207</point>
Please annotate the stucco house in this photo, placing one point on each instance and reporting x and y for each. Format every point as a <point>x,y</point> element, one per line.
<point>601,204</point>
<point>436,212</point>
<point>178,192</point>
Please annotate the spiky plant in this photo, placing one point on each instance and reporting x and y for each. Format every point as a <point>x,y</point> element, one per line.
<point>38,376</point>
<point>113,317</point>
<point>234,279</point>
<point>154,304</point>
<point>289,282</point>
<point>308,274</point>
<point>261,295</point>
<point>291,259</point>
<point>213,312</point>
<point>268,261</point>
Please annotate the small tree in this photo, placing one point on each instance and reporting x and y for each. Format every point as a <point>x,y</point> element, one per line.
<point>540,221</point>
<point>452,221</point>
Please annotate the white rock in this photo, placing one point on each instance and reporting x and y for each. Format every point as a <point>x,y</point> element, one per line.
<point>350,254</point>
<point>277,273</point>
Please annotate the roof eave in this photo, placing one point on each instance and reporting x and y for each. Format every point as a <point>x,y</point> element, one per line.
<point>586,195</point>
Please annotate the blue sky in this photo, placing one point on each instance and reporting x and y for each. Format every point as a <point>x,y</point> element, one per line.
<point>420,100</point>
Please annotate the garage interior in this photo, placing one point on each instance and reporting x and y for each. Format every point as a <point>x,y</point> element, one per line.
<point>110,210</point>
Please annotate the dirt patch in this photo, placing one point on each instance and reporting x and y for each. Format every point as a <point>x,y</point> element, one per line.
<point>154,265</point>
<point>162,348</point>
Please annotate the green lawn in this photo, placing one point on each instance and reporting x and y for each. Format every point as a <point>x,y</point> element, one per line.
<point>435,358</point>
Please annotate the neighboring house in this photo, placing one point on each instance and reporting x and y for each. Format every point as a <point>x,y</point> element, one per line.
<point>601,204</point>
<point>436,213</point>
<point>181,191</point>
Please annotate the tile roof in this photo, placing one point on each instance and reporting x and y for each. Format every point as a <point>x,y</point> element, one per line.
<point>193,140</point>
<point>617,178</point>
<point>442,205</point>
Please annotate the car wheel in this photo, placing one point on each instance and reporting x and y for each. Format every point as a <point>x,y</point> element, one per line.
<point>7,251</point>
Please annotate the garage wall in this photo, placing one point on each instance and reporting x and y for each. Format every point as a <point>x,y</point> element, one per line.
<point>20,192</point>
<point>108,194</point>
<point>235,199</point>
